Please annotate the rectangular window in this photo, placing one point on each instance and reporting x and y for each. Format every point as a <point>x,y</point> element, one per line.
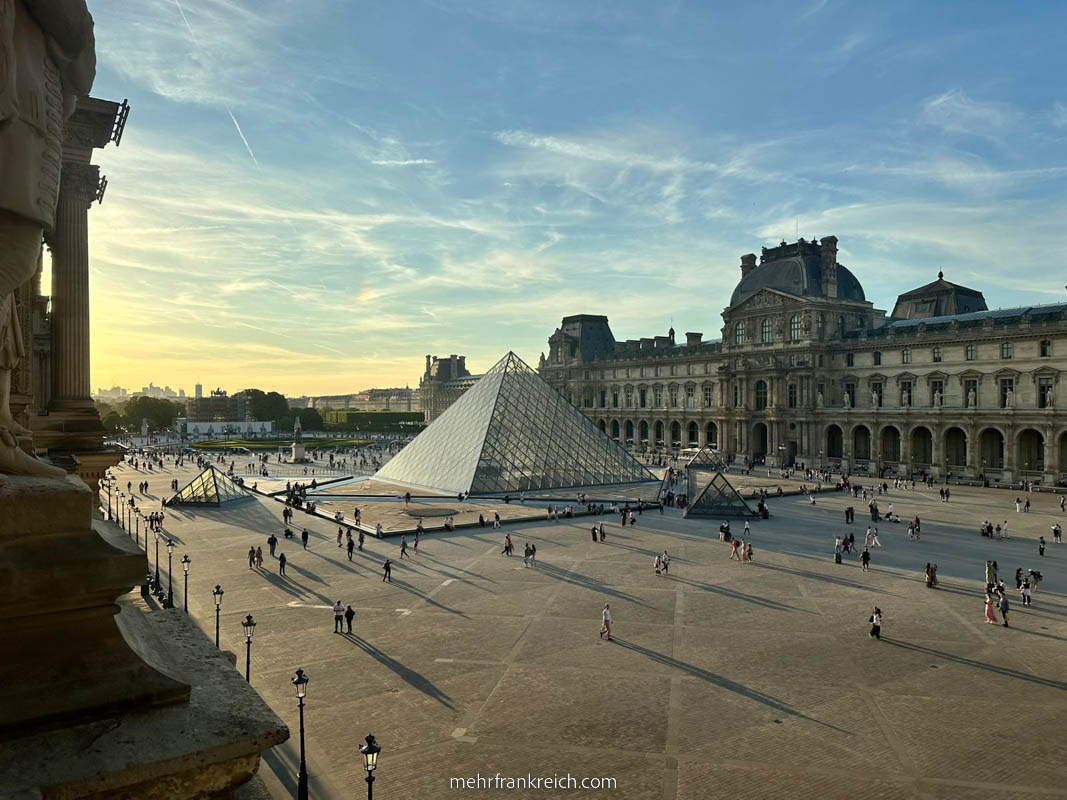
<point>905,394</point>
<point>643,395</point>
<point>850,390</point>
<point>820,389</point>
<point>603,398</point>
<point>629,397</point>
<point>1045,350</point>
<point>586,374</point>
<point>737,396</point>
<point>937,392</point>
<point>690,397</point>
<point>905,356</point>
<point>707,397</point>
<point>970,393</point>
<point>820,359</point>
<point>688,369</point>
<point>707,368</point>
<point>970,352</point>
<point>876,392</point>
<point>614,398</point>
<point>656,371</point>
<point>792,395</point>
<point>936,354</point>
<point>1044,392</point>
<point>657,394</point>
<point>1007,392</point>
<point>877,358</point>
<point>672,369</point>
<point>674,396</point>
<point>850,359</point>
<point>1007,349</point>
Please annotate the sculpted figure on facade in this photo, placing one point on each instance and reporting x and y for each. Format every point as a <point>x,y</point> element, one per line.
<point>972,398</point>
<point>847,400</point>
<point>937,399</point>
<point>47,61</point>
<point>1050,398</point>
<point>819,401</point>
<point>905,400</point>
<point>1009,399</point>
<point>875,399</point>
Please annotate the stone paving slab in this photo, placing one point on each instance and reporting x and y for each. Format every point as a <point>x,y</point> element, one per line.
<point>727,680</point>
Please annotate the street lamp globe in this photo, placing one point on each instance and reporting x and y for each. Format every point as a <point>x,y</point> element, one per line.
<point>217,594</point>
<point>300,683</point>
<point>170,547</point>
<point>186,561</point>
<point>370,753</point>
<point>249,625</point>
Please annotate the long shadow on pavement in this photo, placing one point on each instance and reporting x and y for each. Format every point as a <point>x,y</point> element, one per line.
<point>748,598</point>
<point>725,683</point>
<point>816,576</point>
<point>970,662</point>
<point>584,581</point>
<point>410,676</point>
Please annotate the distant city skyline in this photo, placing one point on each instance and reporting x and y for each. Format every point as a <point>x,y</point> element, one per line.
<point>310,192</point>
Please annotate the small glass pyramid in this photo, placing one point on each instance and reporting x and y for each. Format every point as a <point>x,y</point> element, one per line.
<point>512,432</point>
<point>705,457</point>
<point>210,487</point>
<point>719,499</point>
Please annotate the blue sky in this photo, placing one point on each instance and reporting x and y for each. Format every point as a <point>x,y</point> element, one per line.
<point>311,195</point>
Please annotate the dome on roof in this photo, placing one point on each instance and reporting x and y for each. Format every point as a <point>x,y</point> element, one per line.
<point>800,276</point>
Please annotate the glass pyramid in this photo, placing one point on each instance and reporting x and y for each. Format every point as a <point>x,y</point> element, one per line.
<point>705,457</point>
<point>512,432</point>
<point>210,487</point>
<point>719,499</point>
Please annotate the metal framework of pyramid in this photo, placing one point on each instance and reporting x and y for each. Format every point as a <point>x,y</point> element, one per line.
<point>704,457</point>
<point>719,499</point>
<point>512,432</point>
<point>212,488</point>
<point>698,469</point>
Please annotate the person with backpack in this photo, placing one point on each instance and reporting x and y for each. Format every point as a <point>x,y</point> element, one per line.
<point>876,623</point>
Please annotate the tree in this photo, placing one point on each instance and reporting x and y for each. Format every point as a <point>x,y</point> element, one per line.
<point>310,420</point>
<point>266,406</point>
<point>159,413</point>
<point>112,421</point>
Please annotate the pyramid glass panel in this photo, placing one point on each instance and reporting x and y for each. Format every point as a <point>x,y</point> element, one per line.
<point>512,432</point>
<point>719,499</point>
<point>210,487</point>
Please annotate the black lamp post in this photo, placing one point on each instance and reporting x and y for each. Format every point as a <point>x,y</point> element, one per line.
<point>107,484</point>
<point>185,566</point>
<point>370,753</point>
<point>137,524</point>
<point>217,594</point>
<point>157,558</point>
<point>249,625</point>
<point>170,573</point>
<point>300,682</point>
<point>120,520</point>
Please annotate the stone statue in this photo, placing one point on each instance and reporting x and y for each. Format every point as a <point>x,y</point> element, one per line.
<point>875,399</point>
<point>905,400</point>
<point>1050,398</point>
<point>972,398</point>
<point>47,60</point>
<point>1009,399</point>
<point>819,400</point>
<point>937,399</point>
<point>848,400</point>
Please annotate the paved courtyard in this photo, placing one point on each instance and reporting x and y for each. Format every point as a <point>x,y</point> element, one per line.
<point>725,680</point>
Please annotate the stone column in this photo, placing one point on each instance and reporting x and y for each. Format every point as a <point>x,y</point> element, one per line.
<point>70,289</point>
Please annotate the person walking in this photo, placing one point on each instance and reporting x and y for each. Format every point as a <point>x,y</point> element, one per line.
<point>281,564</point>
<point>1005,609</point>
<point>259,558</point>
<point>667,563</point>
<point>526,554</point>
<point>600,530</point>
<point>404,547</point>
<point>1063,502</point>
<point>734,544</point>
<point>340,533</point>
<point>1057,532</point>
<point>592,532</point>
<point>1024,592</point>
<point>876,623</point>
<point>304,535</point>
<point>865,560</point>
<point>251,557</point>
<point>387,571</point>
<point>361,540</point>
<point>507,546</point>
<point>416,543</point>
<point>338,616</point>
<point>605,627</point>
<point>272,542</point>
<point>990,609</point>
<point>351,548</point>
<point>1041,546</point>
<point>533,554</point>
<point>350,614</point>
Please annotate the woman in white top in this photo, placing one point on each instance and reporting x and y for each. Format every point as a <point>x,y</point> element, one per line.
<point>605,628</point>
<point>876,623</point>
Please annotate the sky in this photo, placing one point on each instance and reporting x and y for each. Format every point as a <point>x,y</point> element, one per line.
<point>312,195</point>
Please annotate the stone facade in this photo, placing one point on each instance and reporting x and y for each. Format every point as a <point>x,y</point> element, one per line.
<point>809,372</point>
<point>443,383</point>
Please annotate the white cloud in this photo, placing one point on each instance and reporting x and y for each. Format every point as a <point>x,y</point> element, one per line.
<point>955,112</point>
<point>406,162</point>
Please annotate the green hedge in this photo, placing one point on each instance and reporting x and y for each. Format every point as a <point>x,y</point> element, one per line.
<point>275,444</point>
<point>377,421</point>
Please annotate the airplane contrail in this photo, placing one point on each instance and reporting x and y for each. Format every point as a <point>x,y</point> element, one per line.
<point>196,41</point>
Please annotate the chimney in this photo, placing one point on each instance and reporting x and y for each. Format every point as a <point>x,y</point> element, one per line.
<point>427,364</point>
<point>693,339</point>
<point>462,366</point>
<point>748,263</point>
<point>828,258</point>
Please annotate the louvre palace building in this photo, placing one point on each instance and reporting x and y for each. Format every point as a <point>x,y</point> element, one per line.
<point>808,372</point>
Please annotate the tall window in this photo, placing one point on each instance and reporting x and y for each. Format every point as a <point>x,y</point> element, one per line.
<point>629,397</point>
<point>1007,349</point>
<point>970,352</point>
<point>791,394</point>
<point>642,395</point>
<point>739,333</point>
<point>761,395</point>
<point>905,356</point>
<point>657,394</point>
<point>850,359</point>
<point>970,393</point>
<point>905,393</point>
<point>936,353</point>
<point>876,390</point>
<point>688,369</point>
<point>690,397</point>
<point>603,398</point>
<point>877,358</point>
<point>850,391</point>
<point>765,334</point>
<point>937,390</point>
<point>672,369</point>
<point>1007,387</point>
<point>674,396</point>
<point>794,328</point>
<point>707,397</point>
<point>1044,387</point>
<point>614,398</point>
<point>1045,349</point>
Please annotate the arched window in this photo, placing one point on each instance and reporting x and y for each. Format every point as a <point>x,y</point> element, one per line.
<point>794,328</point>
<point>765,331</point>
<point>739,333</point>
<point>761,395</point>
